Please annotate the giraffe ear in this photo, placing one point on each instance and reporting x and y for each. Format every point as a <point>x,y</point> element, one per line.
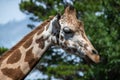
<point>56,18</point>
<point>55,21</point>
<point>54,26</point>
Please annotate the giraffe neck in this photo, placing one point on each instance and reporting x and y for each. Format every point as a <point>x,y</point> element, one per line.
<point>17,63</point>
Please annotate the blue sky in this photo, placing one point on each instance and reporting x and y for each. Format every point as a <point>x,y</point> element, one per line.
<point>13,23</point>
<point>9,10</point>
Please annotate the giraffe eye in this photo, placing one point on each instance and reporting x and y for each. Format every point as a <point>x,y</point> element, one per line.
<point>67,30</point>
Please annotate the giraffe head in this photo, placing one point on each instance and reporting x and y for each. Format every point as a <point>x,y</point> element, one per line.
<point>72,37</point>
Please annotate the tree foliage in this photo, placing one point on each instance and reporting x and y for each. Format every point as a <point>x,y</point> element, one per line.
<point>2,50</point>
<point>102,25</point>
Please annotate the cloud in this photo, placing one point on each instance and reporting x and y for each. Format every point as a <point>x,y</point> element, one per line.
<point>14,31</point>
<point>9,10</point>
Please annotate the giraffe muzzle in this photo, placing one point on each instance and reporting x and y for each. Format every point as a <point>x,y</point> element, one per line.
<point>94,57</point>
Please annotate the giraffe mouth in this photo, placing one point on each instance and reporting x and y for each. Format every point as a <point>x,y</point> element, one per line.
<point>89,57</point>
<point>93,57</point>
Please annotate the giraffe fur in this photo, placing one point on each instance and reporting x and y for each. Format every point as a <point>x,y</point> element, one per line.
<point>65,31</point>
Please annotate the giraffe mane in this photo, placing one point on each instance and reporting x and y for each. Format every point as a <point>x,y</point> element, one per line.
<point>28,36</point>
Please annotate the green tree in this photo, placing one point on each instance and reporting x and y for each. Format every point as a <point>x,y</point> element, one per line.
<point>102,25</point>
<point>2,50</point>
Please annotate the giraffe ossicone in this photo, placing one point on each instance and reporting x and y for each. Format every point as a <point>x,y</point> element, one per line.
<point>65,31</point>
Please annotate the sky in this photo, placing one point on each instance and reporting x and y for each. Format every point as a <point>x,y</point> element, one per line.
<point>13,23</point>
<point>9,10</point>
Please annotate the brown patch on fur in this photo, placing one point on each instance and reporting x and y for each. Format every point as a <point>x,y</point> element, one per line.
<point>42,28</point>
<point>62,38</point>
<point>68,49</point>
<point>15,74</point>
<point>40,31</point>
<point>30,58</point>
<point>63,47</point>
<point>40,41</point>
<point>28,36</point>
<point>66,43</point>
<point>47,26</point>
<point>83,35</point>
<point>74,50</point>
<point>15,57</point>
<point>85,46</point>
<point>81,29</point>
<point>57,39</point>
<point>28,43</point>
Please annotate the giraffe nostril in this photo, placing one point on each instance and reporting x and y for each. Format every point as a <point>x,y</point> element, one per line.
<point>94,51</point>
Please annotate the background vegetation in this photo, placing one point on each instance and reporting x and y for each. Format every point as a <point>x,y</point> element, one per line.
<point>102,25</point>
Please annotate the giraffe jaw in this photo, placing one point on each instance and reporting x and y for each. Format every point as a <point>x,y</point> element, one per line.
<point>89,57</point>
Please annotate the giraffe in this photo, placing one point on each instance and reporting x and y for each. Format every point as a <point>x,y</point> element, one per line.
<point>65,31</point>
<point>72,37</point>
